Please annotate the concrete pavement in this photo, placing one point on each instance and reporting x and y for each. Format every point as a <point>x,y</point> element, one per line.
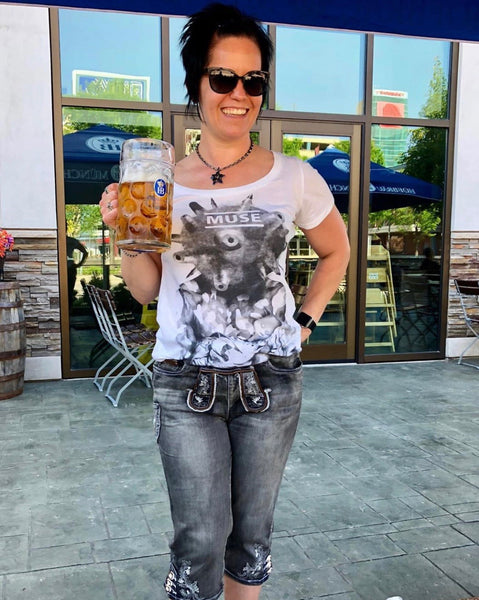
<point>380,496</point>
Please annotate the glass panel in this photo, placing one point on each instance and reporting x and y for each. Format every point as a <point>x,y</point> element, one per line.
<point>177,73</point>
<point>192,140</point>
<point>331,328</point>
<point>405,244</point>
<point>311,77</point>
<point>92,141</point>
<point>410,77</point>
<point>95,61</point>
<point>193,137</point>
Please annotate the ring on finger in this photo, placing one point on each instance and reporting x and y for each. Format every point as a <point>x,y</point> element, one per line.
<point>106,190</point>
<point>109,206</point>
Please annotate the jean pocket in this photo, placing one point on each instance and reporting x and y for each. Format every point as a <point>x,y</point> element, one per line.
<point>285,364</point>
<point>169,367</point>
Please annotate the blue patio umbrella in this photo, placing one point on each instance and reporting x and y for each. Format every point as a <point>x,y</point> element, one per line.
<point>91,161</point>
<point>388,188</point>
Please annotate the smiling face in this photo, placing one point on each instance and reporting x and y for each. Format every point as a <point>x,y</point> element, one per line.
<point>230,116</point>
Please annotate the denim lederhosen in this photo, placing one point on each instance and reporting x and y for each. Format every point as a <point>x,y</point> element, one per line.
<point>223,468</point>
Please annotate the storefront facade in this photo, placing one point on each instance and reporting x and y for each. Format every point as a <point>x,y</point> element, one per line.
<point>360,102</point>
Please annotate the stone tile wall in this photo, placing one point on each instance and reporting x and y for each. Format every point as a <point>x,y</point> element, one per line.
<point>34,265</point>
<point>464,265</point>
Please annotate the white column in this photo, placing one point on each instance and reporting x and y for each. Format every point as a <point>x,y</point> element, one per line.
<point>27,182</point>
<point>465,196</point>
<point>27,178</point>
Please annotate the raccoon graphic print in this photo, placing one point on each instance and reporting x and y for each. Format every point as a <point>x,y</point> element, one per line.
<point>224,299</point>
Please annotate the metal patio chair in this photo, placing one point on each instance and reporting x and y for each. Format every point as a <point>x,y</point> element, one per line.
<point>131,341</point>
<point>468,292</point>
<point>419,308</point>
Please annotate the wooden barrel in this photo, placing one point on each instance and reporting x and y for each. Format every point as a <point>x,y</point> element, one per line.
<point>12,340</point>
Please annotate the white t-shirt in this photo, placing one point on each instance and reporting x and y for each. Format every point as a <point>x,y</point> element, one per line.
<point>224,299</point>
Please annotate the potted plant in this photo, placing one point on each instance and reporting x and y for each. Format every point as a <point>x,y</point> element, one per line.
<point>6,244</point>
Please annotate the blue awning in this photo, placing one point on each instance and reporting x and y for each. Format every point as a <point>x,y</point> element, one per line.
<point>388,188</point>
<point>446,19</point>
<point>91,158</point>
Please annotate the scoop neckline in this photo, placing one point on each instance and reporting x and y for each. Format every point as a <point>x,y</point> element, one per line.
<point>261,181</point>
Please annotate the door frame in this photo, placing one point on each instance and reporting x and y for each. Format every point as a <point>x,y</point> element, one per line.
<point>180,122</point>
<point>346,351</point>
<point>271,132</point>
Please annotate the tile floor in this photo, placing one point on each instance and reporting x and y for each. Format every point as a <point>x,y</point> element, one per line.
<point>380,495</point>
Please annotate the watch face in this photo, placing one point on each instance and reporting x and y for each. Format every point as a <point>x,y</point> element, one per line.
<point>306,321</point>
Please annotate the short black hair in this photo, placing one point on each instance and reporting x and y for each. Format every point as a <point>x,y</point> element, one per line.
<point>218,20</point>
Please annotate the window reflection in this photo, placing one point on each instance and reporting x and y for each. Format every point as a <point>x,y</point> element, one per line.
<point>302,259</point>
<point>95,64</point>
<point>329,81</point>
<point>177,73</point>
<point>410,77</point>
<point>92,141</point>
<point>405,244</point>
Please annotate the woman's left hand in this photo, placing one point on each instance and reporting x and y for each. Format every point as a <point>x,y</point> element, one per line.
<point>305,333</point>
<point>109,205</point>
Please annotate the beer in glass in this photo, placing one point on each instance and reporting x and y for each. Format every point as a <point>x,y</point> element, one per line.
<point>145,195</point>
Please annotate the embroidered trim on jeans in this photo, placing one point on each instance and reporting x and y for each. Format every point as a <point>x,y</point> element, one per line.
<point>262,565</point>
<point>178,584</point>
<point>253,397</point>
<point>202,396</point>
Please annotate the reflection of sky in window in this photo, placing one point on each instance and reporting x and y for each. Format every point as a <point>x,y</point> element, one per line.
<point>319,71</point>
<point>406,64</point>
<point>177,73</point>
<point>110,42</point>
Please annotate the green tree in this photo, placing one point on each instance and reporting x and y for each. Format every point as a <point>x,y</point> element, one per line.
<point>292,146</point>
<point>436,103</point>
<point>137,122</point>
<point>82,219</point>
<point>377,154</point>
<point>140,123</point>
<point>425,157</point>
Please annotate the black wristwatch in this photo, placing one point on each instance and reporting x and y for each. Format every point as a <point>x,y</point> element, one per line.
<point>306,321</point>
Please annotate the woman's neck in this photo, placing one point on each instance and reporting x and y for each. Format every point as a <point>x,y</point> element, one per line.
<point>219,153</point>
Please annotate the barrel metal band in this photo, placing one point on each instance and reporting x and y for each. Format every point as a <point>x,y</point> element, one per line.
<point>10,326</point>
<point>12,376</point>
<point>12,354</point>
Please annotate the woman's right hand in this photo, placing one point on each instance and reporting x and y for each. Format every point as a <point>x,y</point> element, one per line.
<point>109,205</point>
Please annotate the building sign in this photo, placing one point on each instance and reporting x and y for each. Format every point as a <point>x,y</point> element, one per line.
<point>136,87</point>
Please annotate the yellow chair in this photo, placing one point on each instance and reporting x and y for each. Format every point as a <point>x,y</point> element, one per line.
<point>379,314</point>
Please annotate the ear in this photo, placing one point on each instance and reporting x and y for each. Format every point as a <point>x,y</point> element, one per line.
<point>247,202</point>
<point>196,208</point>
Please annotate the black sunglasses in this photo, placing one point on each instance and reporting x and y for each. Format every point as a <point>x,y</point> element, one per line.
<point>224,81</point>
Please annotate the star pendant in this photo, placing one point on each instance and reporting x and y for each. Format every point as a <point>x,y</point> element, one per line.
<point>217,177</point>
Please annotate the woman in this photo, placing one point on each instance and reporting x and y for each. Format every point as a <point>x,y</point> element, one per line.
<point>227,376</point>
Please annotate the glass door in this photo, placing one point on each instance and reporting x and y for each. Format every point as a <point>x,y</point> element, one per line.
<point>334,151</point>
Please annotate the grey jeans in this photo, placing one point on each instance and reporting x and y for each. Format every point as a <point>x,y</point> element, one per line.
<point>223,469</point>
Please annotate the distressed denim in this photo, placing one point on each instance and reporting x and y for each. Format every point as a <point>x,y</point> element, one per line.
<point>223,469</point>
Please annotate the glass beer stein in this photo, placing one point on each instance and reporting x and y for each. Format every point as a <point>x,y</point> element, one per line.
<point>145,195</point>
